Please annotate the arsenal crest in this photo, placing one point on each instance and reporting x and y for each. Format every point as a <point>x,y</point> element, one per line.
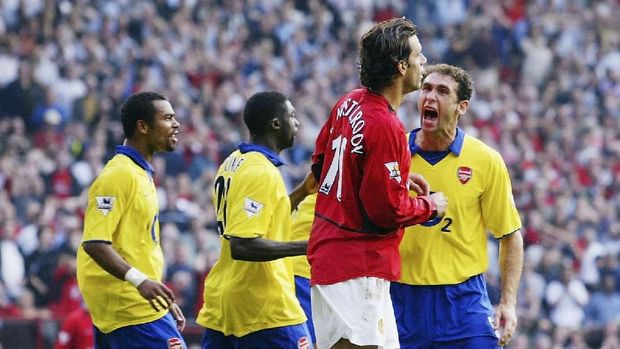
<point>175,343</point>
<point>303,343</point>
<point>464,174</point>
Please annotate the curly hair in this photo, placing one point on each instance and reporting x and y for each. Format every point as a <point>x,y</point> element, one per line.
<point>139,106</point>
<point>465,85</point>
<point>381,48</point>
<point>261,108</point>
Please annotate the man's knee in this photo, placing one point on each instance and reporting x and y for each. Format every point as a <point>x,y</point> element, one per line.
<point>345,344</point>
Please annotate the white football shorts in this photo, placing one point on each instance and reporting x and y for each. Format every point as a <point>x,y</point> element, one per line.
<point>359,310</point>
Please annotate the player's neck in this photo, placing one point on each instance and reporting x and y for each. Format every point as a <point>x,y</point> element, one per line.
<point>266,142</point>
<point>141,147</point>
<point>394,95</point>
<point>435,141</point>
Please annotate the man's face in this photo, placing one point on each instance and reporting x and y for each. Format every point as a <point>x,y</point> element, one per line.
<point>288,128</point>
<point>163,133</point>
<point>415,61</point>
<point>438,103</point>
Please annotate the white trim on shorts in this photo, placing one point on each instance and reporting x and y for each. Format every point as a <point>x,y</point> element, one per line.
<point>359,310</point>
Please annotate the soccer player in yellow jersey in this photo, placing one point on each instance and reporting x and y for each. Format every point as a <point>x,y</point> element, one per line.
<point>249,295</point>
<point>120,262</point>
<point>302,224</point>
<point>441,300</point>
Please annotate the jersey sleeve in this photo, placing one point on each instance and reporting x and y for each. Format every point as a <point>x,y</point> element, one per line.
<point>252,203</point>
<point>107,200</point>
<point>302,218</point>
<point>383,192</point>
<point>498,206</point>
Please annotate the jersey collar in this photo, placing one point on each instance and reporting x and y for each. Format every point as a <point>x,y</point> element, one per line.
<point>268,153</point>
<point>136,157</point>
<point>381,99</point>
<point>455,147</point>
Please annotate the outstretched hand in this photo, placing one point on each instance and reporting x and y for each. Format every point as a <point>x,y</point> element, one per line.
<point>418,184</point>
<point>505,322</point>
<point>160,296</point>
<point>310,184</point>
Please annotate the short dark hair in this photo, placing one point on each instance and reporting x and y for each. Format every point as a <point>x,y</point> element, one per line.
<point>139,106</point>
<point>381,48</point>
<point>261,108</point>
<point>464,83</point>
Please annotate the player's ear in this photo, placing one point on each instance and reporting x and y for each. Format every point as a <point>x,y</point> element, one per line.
<point>142,126</point>
<point>462,107</point>
<point>275,123</point>
<point>402,66</point>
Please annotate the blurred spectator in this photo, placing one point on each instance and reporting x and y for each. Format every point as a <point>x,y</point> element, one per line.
<point>567,298</point>
<point>604,305</point>
<point>40,266</point>
<point>11,263</point>
<point>76,331</point>
<point>20,97</point>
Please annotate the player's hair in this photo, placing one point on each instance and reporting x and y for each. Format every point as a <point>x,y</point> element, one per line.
<point>381,48</point>
<point>139,106</point>
<point>261,109</point>
<point>464,83</point>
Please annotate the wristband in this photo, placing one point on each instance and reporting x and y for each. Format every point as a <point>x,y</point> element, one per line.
<point>135,276</point>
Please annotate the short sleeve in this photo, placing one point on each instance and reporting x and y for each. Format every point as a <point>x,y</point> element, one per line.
<point>252,202</point>
<point>498,206</point>
<point>107,200</point>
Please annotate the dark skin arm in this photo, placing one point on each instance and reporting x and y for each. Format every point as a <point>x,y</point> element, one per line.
<point>264,250</point>
<point>159,296</point>
<point>305,188</point>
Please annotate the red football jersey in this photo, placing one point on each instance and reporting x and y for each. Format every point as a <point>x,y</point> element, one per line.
<point>363,202</point>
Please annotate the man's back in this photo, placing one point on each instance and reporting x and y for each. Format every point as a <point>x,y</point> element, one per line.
<point>242,297</point>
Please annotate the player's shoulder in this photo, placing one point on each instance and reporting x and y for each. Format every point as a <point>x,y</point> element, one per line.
<point>482,151</point>
<point>119,165</point>
<point>251,164</point>
<point>118,171</point>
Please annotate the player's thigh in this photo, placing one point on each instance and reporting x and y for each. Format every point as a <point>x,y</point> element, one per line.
<point>359,310</point>
<point>101,342</point>
<point>302,291</point>
<point>158,334</point>
<point>479,342</point>
<point>212,339</point>
<point>285,337</point>
<point>345,344</point>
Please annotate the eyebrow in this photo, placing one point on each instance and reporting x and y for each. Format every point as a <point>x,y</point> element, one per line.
<point>436,85</point>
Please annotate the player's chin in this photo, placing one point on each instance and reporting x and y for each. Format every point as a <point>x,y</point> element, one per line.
<point>171,146</point>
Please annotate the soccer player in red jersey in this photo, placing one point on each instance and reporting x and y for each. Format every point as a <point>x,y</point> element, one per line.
<point>362,159</point>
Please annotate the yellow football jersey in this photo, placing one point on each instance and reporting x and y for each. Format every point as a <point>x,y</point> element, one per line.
<point>303,217</point>
<point>451,249</point>
<point>122,210</point>
<point>242,297</point>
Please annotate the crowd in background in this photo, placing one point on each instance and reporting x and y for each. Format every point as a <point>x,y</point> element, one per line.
<point>547,79</point>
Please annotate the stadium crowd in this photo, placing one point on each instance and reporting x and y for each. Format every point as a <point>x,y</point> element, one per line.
<point>547,79</point>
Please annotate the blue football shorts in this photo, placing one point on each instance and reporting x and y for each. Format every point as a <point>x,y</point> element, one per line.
<point>159,334</point>
<point>444,316</point>
<point>286,337</point>
<point>302,291</point>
